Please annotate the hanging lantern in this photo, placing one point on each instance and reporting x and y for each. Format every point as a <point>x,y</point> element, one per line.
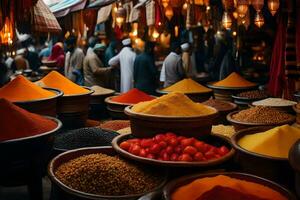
<point>7,32</point>
<point>120,16</point>
<point>257,4</point>
<point>134,31</point>
<point>226,20</point>
<point>169,12</point>
<point>273,6</point>
<point>242,8</point>
<point>235,14</point>
<point>155,34</point>
<point>185,6</point>
<point>259,20</point>
<point>228,4</point>
<point>165,3</point>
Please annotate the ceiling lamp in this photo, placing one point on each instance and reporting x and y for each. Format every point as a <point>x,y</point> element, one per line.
<point>155,34</point>
<point>226,20</point>
<point>273,6</point>
<point>185,6</point>
<point>242,8</point>
<point>165,3</point>
<point>169,12</point>
<point>259,20</point>
<point>120,16</point>
<point>257,4</point>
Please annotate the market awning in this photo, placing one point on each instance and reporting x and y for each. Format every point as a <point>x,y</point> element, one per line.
<point>65,7</point>
<point>103,14</point>
<point>99,3</point>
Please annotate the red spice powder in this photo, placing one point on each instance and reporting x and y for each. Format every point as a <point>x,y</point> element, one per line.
<point>16,122</point>
<point>133,96</point>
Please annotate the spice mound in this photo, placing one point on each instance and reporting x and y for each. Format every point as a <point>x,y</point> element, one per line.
<point>187,86</point>
<point>219,105</point>
<point>274,102</point>
<point>58,81</point>
<point>223,130</point>
<point>226,188</point>
<point>98,90</point>
<point>19,123</point>
<point>21,89</point>
<point>234,80</point>
<point>106,175</point>
<point>133,96</point>
<point>253,94</point>
<point>173,104</point>
<point>83,137</point>
<point>115,125</point>
<point>275,142</point>
<point>261,114</point>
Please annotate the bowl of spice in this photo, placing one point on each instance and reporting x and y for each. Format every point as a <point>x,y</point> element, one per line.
<point>264,151</point>
<point>117,104</point>
<point>115,125</point>
<point>26,142</point>
<point>224,108</point>
<point>231,85</point>
<point>73,106</point>
<point>31,97</point>
<point>190,88</point>
<point>225,186</point>
<point>97,173</point>
<point>297,110</point>
<point>244,99</point>
<point>277,103</point>
<point>169,113</point>
<point>259,116</point>
<point>172,150</point>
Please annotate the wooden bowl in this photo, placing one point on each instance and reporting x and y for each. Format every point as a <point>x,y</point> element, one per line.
<point>68,193</point>
<point>244,102</point>
<point>225,93</point>
<point>210,139</point>
<point>297,113</point>
<point>273,168</point>
<point>73,110</point>
<point>98,108</point>
<point>47,106</point>
<point>238,125</point>
<point>195,96</point>
<point>116,109</point>
<point>286,109</point>
<point>49,63</point>
<point>170,188</point>
<point>24,160</point>
<point>143,125</point>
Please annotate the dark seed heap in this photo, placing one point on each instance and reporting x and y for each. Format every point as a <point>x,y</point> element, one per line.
<point>254,94</point>
<point>219,105</point>
<point>106,175</point>
<point>83,137</point>
<point>260,114</point>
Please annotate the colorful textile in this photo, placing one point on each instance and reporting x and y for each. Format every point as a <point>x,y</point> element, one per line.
<point>150,13</point>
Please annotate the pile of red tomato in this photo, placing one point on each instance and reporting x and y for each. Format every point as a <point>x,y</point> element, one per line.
<point>170,147</point>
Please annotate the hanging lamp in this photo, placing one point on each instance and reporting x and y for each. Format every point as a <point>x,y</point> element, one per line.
<point>242,8</point>
<point>273,6</point>
<point>259,20</point>
<point>169,12</point>
<point>257,4</point>
<point>226,20</point>
<point>120,16</point>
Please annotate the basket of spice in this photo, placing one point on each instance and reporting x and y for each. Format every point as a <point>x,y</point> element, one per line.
<point>173,112</point>
<point>244,99</point>
<point>231,85</point>
<point>224,108</point>
<point>97,104</point>
<point>264,151</point>
<point>97,173</point>
<point>172,150</point>
<point>26,142</point>
<point>190,88</point>
<point>277,103</point>
<point>225,186</point>
<point>259,116</point>
<point>117,104</point>
<point>73,106</point>
<point>31,97</point>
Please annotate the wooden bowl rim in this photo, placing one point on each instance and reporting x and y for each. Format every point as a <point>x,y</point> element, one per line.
<point>210,85</point>
<point>84,94</point>
<point>89,195</point>
<point>57,121</point>
<point>104,94</point>
<point>184,180</point>
<point>58,93</point>
<point>118,139</point>
<point>128,111</point>
<point>296,109</point>
<point>234,142</point>
<point>160,91</point>
<point>230,119</point>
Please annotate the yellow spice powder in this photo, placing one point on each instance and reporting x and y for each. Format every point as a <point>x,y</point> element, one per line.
<point>187,86</point>
<point>275,142</point>
<point>173,104</point>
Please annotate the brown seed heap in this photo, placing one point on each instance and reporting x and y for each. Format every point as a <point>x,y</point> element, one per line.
<point>254,94</point>
<point>106,175</point>
<point>260,114</point>
<point>219,105</point>
<point>115,125</point>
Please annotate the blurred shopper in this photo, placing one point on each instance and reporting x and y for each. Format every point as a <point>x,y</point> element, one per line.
<point>58,55</point>
<point>29,52</point>
<point>110,52</point>
<point>91,43</point>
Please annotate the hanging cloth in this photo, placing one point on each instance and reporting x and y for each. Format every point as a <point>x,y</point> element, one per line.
<point>158,16</point>
<point>128,7</point>
<point>150,13</point>
<point>103,14</point>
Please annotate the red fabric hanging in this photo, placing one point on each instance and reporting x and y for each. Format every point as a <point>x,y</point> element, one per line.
<point>298,32</point>
<point>158,15</point>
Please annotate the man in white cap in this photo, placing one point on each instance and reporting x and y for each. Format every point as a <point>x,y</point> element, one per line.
<point>186,60</point>
<point>126,59</point>
<point>94,71</point>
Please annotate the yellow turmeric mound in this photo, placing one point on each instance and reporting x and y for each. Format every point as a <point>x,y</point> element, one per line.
<point>234,80</point>
<point>187,86</point>
<point>21,89</point>
<point>58,81</point>
<point>173,104</point>
<point>197,188</point>
<point>275,142</point>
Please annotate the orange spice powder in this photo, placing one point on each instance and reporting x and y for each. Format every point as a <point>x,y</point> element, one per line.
<point>234,80</point>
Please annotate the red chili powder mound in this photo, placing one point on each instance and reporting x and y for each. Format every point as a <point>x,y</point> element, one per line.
<point>16,122</point>
<point>133,96</point>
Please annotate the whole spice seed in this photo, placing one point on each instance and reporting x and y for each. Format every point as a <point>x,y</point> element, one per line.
<point>260,114</point>
<point>106,175</point>
<point>115,125</point>
<point>219,105</point>
<point>254,94</point>
<point>83,137</point>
